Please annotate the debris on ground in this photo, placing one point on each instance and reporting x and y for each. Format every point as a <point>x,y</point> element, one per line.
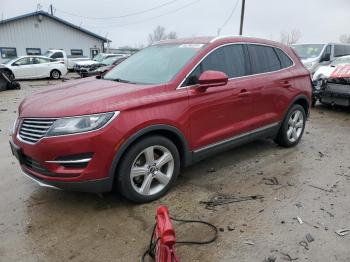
<point>270,259</point>
<point>321,154</point>
<point>271,181</point>
<point>220,200</point>
<point>211,170</point>
<point>299,205</point>
<point>304,244</point>
<point>342,232</point>
<point>323,189</point>
<point>229,228</point>
<point>249,243</point>
<point>329,213</point>
<point>299,220</point>
<point>288,257</point>
<point>309,238</point>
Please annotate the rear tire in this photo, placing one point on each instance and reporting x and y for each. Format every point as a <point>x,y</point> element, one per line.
<point>292,127</point>
<point>148,169</point>
<point>55,74</point>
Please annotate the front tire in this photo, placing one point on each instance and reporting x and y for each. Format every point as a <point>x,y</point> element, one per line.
<point>55,74</point>
<point>292,127</point>
<point>148,169</point>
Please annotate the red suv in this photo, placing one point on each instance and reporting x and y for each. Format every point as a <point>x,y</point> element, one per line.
<point>165,107</point>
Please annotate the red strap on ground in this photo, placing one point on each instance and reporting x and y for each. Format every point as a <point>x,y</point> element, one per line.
<point>342,71</point>
<point>165,233</point>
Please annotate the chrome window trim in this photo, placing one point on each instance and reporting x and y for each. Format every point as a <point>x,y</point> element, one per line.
<point>236,137</point>
<point>115,114</point>
<point>239,77</point>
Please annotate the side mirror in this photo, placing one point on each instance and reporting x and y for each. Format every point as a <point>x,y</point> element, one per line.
<point>14,64</point>
<point>212,78</point>
<point>326,57</point>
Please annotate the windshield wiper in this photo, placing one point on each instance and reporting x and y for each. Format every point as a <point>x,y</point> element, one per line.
<point>123,81</point>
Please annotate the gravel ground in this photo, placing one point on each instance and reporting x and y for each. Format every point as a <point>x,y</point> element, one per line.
<point>38,224</point>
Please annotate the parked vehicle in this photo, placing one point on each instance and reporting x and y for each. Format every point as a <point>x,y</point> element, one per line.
<point>165,107</point>
<point>103,67</point>
<point>5,80</point>
<point>60,55</point>
<point>85,65</point>
<point>315,55</point>
<point>34,67</point>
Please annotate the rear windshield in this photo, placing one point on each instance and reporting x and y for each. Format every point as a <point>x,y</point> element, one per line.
<point>155,64</point>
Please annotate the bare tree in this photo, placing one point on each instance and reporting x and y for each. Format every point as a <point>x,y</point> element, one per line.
<point>289,38</point>
<point>160,34</point>
<point>344,38</point>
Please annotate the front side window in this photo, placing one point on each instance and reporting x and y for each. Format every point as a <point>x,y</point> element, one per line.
<point>23,61</point>
<point>229,59</point>
<point>263,59</point>
<point>8,52</point>
<point>156,64</point>
<point>33,51</point>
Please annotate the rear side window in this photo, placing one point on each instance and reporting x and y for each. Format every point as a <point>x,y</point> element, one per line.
<point>263,59</point>
<point>284,59</point>
<point>229,59</point>
<point>341,50</point>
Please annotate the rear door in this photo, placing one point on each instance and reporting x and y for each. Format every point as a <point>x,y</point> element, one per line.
<point>220,112</point>
<point>271,80</point>
<point>42,67</point>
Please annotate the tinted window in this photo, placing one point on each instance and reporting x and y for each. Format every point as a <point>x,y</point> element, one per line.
<point>263,59</point>
<point>33,51</point>
<point>341,50</point>
<point>228,59</point>
<point>57,55</point>
<point>8,52</point>
<point>77,52</point>
<point>285,60</point>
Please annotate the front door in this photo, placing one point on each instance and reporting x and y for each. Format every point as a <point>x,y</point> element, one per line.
<point>221,112</point>
<point>23,68</point>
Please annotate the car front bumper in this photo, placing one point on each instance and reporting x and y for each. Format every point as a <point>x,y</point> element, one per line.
<point>41,161</point>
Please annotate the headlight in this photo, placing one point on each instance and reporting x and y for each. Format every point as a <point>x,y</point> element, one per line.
<point>80,124</point>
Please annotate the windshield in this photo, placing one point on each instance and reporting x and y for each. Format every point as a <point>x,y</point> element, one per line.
<point>154,65</point>
<point>99,58</point>
<point>48,53</point>
<point>309,50</point>
<point>110,60</point>
<point>341,60</point>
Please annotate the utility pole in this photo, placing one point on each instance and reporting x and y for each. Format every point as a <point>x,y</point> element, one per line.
<point>242,18</point>
<point>51,9</point>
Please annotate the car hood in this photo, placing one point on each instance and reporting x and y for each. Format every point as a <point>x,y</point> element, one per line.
<point>323,72</point>
<point>85,63</point>
<point>87,96</point>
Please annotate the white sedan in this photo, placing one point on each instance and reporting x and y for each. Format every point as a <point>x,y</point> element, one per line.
<point>326,71</point>
<point>31,67</point>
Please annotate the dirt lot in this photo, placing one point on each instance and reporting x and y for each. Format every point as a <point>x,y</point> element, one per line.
<point>38,224</point>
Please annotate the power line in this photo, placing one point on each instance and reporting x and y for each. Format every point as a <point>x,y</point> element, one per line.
<point>151,18</point>
<point>229,17</point>
<point>121,16</point>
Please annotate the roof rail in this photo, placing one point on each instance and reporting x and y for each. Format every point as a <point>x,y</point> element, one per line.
<point>223,36</point>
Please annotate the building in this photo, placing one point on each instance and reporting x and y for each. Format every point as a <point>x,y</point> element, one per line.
<point>37,32</point>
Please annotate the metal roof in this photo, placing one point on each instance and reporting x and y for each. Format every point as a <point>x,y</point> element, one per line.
<point>54,18</point>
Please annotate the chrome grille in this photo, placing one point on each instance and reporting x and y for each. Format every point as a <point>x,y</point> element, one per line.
<point>33,129</point>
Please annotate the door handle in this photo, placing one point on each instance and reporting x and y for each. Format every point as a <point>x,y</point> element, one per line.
<point>286,84</point>
<point>244,93</point>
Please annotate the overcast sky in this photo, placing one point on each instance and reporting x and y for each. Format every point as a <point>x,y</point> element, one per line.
<point>317,20</point>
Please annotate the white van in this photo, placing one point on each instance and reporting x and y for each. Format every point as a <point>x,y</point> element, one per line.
<point>315,55</point>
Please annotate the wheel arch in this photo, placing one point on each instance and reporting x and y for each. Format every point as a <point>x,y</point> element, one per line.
<point>170,132</point>
<point>300,100</point>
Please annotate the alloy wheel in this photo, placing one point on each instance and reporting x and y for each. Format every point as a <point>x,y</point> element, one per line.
<point>152,170</point>
<point>295,126</point>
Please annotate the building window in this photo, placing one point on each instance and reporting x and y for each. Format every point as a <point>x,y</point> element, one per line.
<point>76,51</point>
<point>33,51</point>
<point>8,52</point>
